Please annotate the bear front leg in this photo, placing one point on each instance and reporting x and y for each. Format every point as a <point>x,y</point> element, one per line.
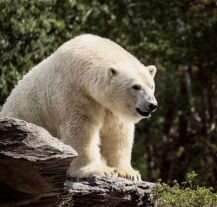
<point>82,134</point>
<point>117,141</point>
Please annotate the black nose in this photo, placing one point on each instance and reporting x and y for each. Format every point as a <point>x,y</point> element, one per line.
<point>152,106</point>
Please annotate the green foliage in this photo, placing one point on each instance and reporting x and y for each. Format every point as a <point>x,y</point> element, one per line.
<point>185,195</point>
<point>178,36</point>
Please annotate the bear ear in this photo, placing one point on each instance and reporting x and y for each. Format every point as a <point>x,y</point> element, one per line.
<point>112,72</point>
<point>152,70</point>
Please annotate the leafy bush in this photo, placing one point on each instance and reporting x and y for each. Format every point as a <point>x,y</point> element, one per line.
<point>185,195</point>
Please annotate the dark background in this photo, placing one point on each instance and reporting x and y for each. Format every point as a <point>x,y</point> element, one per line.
<point>179,37</point>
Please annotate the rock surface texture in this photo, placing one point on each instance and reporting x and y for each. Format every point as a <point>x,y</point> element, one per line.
<point>33,167</point>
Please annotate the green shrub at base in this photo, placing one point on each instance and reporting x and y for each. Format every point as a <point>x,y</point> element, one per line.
<point>184,195</point>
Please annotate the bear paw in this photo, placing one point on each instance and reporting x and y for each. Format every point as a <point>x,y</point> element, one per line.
<point>130,174</point>
<point>92,170</point>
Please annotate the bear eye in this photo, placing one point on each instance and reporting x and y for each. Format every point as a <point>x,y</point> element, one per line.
<point>137,87</point>
<point>152,87</point>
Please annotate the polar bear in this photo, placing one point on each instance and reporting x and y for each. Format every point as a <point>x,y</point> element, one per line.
<point>90,93</point>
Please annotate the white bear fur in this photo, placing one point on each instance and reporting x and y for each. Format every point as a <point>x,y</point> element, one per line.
<point>82,94</point>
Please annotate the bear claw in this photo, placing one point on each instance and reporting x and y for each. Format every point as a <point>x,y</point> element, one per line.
<point>129,174</point>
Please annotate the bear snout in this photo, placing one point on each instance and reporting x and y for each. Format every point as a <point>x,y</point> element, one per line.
<point>143,113</point>
<point>145,109</point>
<point>152,106</point>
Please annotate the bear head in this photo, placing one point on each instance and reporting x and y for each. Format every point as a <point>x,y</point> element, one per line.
<point>128,91</point>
